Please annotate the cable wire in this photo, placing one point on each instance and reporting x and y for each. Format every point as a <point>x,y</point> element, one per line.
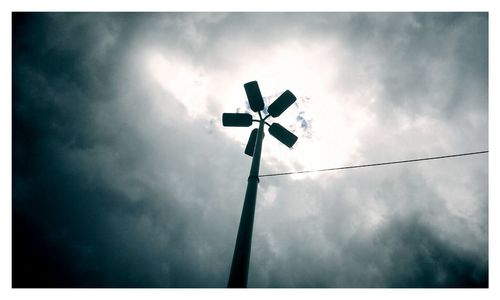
<point>376,164</point>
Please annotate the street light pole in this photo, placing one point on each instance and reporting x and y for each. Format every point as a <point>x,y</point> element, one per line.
<point>238,275</point>
<point>241,257</point>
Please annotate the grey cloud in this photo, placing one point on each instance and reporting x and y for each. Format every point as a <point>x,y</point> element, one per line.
<point>423,73</point>
<point>416,240</point>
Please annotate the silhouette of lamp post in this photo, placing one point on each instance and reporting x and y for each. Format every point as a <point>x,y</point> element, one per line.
<point>239,267</point>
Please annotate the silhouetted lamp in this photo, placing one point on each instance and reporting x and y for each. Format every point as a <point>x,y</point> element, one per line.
<point>254,96</point>
<point>282,135</point>
<point>251,142</point>
<point>281,104</point>
<point>236,120</point>
<point>241,258</point>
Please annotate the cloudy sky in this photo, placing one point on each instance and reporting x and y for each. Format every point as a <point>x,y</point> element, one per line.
<point>123,175</point>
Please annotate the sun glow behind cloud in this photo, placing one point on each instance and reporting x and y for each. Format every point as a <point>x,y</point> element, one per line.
<point>326,118</point>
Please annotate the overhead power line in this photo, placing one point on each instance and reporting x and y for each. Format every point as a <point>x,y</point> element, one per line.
<point>376,164</point>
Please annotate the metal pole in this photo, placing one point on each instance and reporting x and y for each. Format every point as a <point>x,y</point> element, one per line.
<point>241,257</point>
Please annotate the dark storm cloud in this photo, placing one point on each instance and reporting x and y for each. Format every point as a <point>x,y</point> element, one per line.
<point>409,246</point>
<point>403,254</point>
<point>109,191</point>
<point>89,208</point>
